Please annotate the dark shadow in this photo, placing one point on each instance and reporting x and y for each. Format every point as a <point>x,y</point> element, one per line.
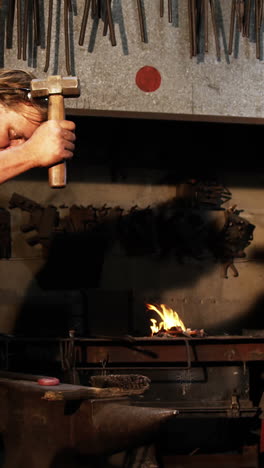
<point>175,14</point>
<point>69,459</point>
<point>111,149</point>
<point>208,435</point>
<point>118,19</point>
<point>93,33</point>
<point>2,452</point>
<point>178,232</point>
<point>251,322</point>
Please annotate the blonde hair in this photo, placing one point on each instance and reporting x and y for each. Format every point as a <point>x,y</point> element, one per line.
<point>15,90</point>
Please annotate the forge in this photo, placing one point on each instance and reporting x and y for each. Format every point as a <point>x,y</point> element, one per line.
<point>213,383</point>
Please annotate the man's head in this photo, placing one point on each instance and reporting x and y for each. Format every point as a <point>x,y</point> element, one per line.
<point>15,90</point>
<point>20,115</point>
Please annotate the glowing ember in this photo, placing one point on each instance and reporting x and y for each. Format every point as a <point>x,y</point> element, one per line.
<point>170,319</point>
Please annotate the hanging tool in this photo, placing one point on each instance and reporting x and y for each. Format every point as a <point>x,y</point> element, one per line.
<point>10,23</point>
<point>36,22</point>
<point>25,29</point>
<point>141,21</point>
<point>258,23</point>
<point>170,11</point>
<point>192,15</point>
<point>48,35</point>
<point>247,18</point>
<point>198,16</point>
<point>67,8</point>
<point>94,9</point>
<point>24,12</point>
<point>109,21</point>
<point>19,30</point>
<point>161,8</point>
<point>213,16</point>
<point>84,21</point>
<point>206,34</point>
<point>55,88</point>
<point>240,15</point>
<point>232,26</point>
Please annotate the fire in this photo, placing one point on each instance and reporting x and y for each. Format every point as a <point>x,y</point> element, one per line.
<point>169,317</point>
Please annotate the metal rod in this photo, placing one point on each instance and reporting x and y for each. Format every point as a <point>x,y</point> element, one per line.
<point>232,27</point>
<point>217,45</point>
<point>19,32</point>
<point>110,22</point>
<point>161,8</point>
<point>25,29</point>
<point>170,11</point>
<point>36,22</point>
<point>49,35</point>
<point>190,27</point>
<point>239,14</point>
<point>66,36</point>
<point>99,7</point>
<point>261,13</point>
<point>10,22</point>
<point>105,29</point>
<point>94,8</point>
<point>206,40</point>
<point>194,29</point>
<point>257,14</point>
<point>84,21</point>
<point>247,19</point>
<point>141,21</point>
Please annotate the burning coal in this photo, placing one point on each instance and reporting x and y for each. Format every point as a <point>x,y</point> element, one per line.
<point>170,325</point>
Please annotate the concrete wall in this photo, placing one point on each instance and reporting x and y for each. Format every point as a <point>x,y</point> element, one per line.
<point>231,85</point>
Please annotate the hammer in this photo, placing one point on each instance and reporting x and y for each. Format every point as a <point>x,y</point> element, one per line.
<point>55,88</point>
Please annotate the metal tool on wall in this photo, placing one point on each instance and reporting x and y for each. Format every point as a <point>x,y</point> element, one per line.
<point>169,10</point>
<point>143,32</point>
<point>30,33</point>
<point>67,7</point>
<point>198,15</point>
<point>27,17</point>
<point>100,9</point>
<point>10,23</point>
<point>49,28</point>
<point>241,13</point>
<point>84,21</point>
<point>27,13</point>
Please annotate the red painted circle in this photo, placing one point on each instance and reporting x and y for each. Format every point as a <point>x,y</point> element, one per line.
<point>148,79</point>
<point>49,381</point>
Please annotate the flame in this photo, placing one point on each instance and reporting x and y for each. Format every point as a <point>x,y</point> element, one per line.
<point>169,317</point>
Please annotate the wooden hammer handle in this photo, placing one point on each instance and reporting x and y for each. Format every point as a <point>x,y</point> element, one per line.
<point>57,173</point>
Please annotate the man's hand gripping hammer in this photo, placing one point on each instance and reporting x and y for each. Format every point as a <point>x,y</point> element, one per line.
<point>55,88</point>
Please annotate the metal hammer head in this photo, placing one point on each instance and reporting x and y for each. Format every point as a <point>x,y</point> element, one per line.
<point>67,86</point>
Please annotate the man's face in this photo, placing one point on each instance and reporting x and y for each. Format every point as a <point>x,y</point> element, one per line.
<point>16,127</point>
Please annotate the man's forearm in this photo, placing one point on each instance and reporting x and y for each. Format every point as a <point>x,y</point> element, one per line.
<point>14,161</point>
